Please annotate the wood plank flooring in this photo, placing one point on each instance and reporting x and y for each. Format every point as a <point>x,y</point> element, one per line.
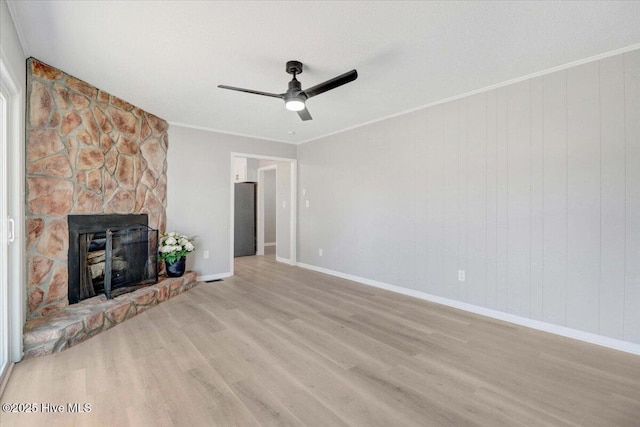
<point>279,345</point>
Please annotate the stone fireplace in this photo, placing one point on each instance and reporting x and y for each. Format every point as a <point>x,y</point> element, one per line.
<point>95,165</point>
<point>87,152</point>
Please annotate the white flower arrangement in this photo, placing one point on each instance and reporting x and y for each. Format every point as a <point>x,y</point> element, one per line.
<point>174,246</point>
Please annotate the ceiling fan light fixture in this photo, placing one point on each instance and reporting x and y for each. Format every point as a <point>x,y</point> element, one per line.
<point>294,104</point>
<point>295,98</point>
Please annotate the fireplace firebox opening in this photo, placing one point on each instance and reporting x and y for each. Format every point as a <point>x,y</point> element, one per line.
<point>110,255</point>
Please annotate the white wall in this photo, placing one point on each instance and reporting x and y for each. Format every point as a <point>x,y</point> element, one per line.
<point>270,204</point>
<point>252,170</point>
<point>198,190</point>
<point>10,47</point>
<point>532,188</point>
<point>263,163</point>
<point>13,57</point>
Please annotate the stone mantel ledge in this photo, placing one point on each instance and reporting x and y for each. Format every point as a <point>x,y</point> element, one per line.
<point>76,323</point>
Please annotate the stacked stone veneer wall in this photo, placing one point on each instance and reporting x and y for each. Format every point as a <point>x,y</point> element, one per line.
<point>87,152</point>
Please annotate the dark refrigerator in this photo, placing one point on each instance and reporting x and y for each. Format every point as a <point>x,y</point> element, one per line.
<point>245,219</point>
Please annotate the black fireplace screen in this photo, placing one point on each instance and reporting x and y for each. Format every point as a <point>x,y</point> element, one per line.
<point>111,255</point>
<point>118,261</point>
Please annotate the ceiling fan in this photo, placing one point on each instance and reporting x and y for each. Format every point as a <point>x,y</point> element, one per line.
<point>295,98</point>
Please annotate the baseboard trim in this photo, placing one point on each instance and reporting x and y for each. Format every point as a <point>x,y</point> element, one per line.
<point>270,244</point>
<point>564,331</point>
<point>284,260</point>
<point>208,277</point>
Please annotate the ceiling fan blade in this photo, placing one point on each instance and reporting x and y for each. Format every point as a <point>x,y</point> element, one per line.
<point>255,92</point>
<point>331,84</point>
<point>304,115</point>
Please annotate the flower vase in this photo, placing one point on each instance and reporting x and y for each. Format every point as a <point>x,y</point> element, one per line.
<point>176,269</point>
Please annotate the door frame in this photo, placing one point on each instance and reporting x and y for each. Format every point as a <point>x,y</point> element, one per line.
<point>5,360</point>
<point>12,207</point>
<point>261,214</point>
<point>292,204</point>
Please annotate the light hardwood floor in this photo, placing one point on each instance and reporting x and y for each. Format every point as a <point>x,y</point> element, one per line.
<point>278,345</point>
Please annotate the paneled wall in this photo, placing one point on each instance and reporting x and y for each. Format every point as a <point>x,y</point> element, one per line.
<point>533,189</point>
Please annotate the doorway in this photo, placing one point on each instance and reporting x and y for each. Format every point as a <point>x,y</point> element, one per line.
<point>286,175</point>
<point>267,209</point>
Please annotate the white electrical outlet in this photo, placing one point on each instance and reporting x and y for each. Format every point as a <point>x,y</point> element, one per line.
<point>205,254</point>
<point>306,203</point>
<point>284,203</point>
<point>320,251</point>
<point>462,276</point>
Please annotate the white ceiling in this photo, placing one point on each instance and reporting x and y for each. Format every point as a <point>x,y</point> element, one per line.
<point>167,57</point>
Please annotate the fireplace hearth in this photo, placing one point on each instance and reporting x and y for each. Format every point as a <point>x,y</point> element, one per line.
<point>110,255</point>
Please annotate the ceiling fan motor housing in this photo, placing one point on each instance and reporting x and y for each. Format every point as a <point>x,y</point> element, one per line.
<point>294,67</point>
<point>295,98</point>
<point>294,89</point>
